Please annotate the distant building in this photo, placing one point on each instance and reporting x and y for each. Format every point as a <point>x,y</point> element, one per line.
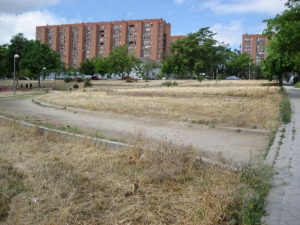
<point>177,37</point>
<point>147,39</point>
<point>255,46</point>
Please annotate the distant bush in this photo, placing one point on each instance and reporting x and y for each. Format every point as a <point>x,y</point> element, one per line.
<point>169,84</point>
<point>75,86</point>
<point>297,85</point>
<point>79,79</point>
<point>200,78</point>
<point>87,83</point>
<point>68,79</point>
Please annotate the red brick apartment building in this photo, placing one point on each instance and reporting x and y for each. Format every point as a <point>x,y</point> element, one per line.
<point>147,39</point>
<point>177,37</point>
<point>255,45</point>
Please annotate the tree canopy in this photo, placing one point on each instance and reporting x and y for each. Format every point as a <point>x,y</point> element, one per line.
<point>33,56</point>
<point>120,61</point>
<point>284,47</point>
<point>198,53</point>
<point>87,67</point>
<point>238,64</point>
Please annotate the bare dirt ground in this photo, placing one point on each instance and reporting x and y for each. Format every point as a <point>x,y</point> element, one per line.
<point>233,145</point>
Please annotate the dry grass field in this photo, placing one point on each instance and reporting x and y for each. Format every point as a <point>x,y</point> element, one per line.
<point>47,180</point>
<point>250,104</point>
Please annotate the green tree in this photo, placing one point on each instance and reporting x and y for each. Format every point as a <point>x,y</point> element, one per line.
<point>4,71</point>
<point>101,65</point>
<point>198,53</point>
<point>87,67</point>
<point>37,56</point>
<point>120,61</point>
<point>284,47</point>
<point>18,45</point>
<point>238,64</point>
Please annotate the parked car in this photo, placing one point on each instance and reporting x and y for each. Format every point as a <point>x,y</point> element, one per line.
<point>232,78</point>
<point>95,77</point>
<point>24,78</point>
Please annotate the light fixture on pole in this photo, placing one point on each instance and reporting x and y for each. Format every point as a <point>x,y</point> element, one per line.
<point>16,56</point>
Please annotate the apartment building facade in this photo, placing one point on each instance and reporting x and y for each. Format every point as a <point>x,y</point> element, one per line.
<point>177,37</point>
<point>147,39</point>
<point>255,45</point>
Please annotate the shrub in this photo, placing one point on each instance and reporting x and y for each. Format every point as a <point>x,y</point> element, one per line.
<point>75,86</point>
<point>79,79</point>
<point>297,85</point>
<point>87,83</point>
<point>200,78</point>
<point>169,84</point>
<point>67,79</point>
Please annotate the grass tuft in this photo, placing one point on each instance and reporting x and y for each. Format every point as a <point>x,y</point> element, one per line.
<point>11,184</point>
<point>250,199</point>
<point>285,108</point>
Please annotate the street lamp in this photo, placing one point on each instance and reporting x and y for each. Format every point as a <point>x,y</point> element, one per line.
<point>249,70</point>
<point>44,69</point>
<point>16,56</point>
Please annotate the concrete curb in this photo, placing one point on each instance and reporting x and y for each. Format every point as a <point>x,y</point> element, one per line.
<point>46,131</point>
<point>275,148</point>
<point>107,143</point>
<point>240,129</point>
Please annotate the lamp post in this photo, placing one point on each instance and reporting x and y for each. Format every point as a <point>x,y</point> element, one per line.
<point>16,56</point>
<point>44,69</point>
<point>249,70</point>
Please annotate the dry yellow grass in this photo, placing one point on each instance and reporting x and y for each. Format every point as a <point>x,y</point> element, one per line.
<point>245,104</point>
<point>65,182</point>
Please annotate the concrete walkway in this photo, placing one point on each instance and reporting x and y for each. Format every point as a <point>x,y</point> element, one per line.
<point>284,199</point>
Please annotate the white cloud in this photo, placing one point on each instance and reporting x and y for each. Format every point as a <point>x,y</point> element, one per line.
<point>229,34</point>
<point>19,6</point>
<point>12,24</point>
<point>243,6</point>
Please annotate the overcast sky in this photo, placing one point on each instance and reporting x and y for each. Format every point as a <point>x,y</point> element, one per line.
<point>228,18</point>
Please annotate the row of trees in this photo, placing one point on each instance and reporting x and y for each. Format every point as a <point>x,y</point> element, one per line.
<point>284,46</point>
<point>119,61</point>
<point>33,57</point>
<point>200,53</point>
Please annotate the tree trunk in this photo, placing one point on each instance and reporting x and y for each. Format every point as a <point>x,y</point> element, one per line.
<point>280,79</point>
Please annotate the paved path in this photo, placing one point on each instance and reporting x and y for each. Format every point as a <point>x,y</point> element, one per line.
<point>284,199</point>
<point>237,147</point>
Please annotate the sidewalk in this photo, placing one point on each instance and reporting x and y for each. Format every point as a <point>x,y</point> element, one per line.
<point>284,198</point>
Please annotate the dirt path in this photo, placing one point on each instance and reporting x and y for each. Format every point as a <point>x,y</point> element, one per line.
<point>238,147</point>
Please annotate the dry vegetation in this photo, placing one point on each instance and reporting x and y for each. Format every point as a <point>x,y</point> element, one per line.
<point>250,104</point>
<point>46,180</point>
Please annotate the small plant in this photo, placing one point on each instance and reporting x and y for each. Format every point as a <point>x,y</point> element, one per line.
<point>250,200</point>
<point>87,83</point>
<point>169,84</point>
<point>285,108</point>
<point>220,77</point>
<point>68,79</point>
<point>75,86</point>
<point>79,79</point>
